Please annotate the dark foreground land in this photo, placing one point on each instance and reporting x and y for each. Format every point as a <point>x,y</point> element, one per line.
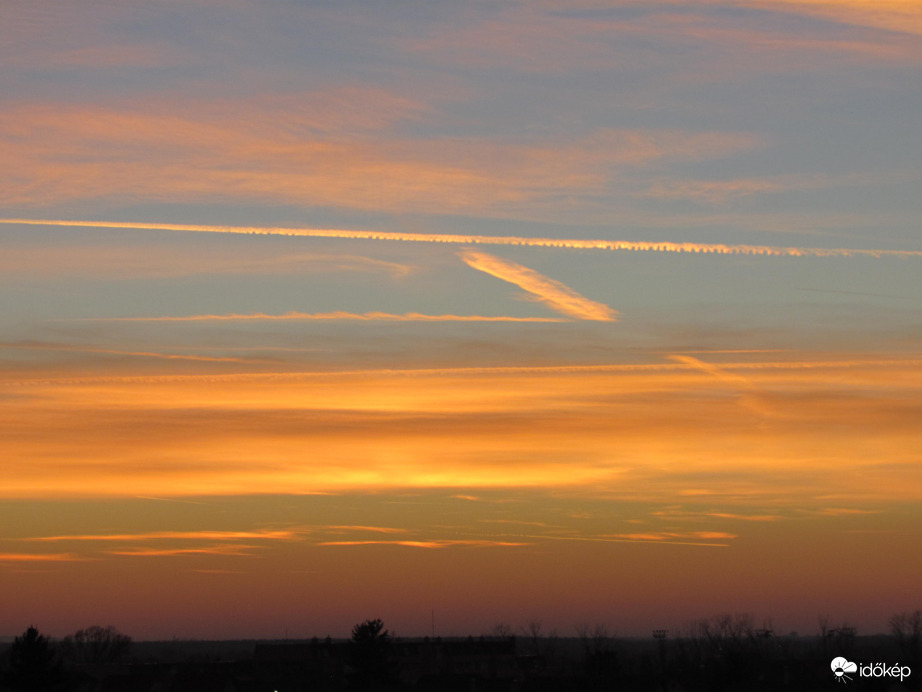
<point>372,660</point>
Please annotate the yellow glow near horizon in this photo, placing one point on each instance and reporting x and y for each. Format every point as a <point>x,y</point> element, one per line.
<point>679,430</point>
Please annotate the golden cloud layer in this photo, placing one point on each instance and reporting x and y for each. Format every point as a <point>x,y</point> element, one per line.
<point>655,431</point>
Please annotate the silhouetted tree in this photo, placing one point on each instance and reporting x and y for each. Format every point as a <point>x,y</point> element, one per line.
<point>97,645</point>
<point>33,662</point>
<point>502,631</point>
<point>723,650</point>
<point>539,645</point>
<point>836,640</point>
<point>371,655</point>
<point>595,638</point>
<point>601,662</point>
<point>907,630</point>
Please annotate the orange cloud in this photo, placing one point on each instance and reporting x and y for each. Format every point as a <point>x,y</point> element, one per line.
<point>430,544</point>
<point>900,16</point>
<point>232,550</point>
<point>375,529</point>
<point>845,511</point>
<point>671,536</point>
<point>536,37</point>
<point>41,262</point>
<point>557,296</point>
<point>513,521</point>
<point>744,517</point>
<point>173,535</point>
<point>749,395</point>
<point>38,38</point>
<point>654,539</point>
<point>646,432</point>
<point>268,379</point>
<point>29,346</point>
<point>220,151</point>
<point>38,557</point>
<point>717,192</point>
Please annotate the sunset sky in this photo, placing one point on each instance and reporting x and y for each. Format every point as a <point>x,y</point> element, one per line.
<point>587,311</point>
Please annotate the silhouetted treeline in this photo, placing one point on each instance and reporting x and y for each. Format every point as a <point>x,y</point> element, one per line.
<point>35,663</point>
<point>722,653</point>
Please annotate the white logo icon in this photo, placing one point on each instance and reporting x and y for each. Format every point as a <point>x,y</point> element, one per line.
<point>841,666</point>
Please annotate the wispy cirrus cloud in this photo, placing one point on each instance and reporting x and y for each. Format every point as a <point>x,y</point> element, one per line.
<point>228,550</point>
<point>175,535</point>
<point>721,192</point>
<point>554,294</point>
<point>514,521</point>
<point>373,529</point>
<point>744,517</point>
<point>749,395</point>
<point>33,262</point>
<point>653,539</point>
<point>39,557</point>
<point>155,152</point>
<point>845,511</point>
<point>711,191</point>
<point>431,544</point>
<point>99,43</point>
<point>170,543</point>
<point>900,16</point>
<point>714,44</point>
<point>674,535</point>
<point>38,346</point>
<point>698,514</point>
<point>906,364</point>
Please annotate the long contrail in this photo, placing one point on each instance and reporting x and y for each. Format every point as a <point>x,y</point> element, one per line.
<point>325,316</point>
<point>636,246</point>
